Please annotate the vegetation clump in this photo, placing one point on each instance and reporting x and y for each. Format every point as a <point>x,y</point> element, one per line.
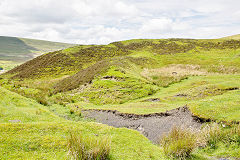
<point>179,143</point>
<point>216,133</point>
<point>89,148</point>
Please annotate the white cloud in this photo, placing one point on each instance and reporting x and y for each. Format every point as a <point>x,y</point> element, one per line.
<point>157,25</point>
<point>104,21</point>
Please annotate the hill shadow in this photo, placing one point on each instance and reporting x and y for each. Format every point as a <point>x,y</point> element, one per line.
<point>12,48</point>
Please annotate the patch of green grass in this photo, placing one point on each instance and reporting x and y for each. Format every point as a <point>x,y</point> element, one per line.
<point>213,141</point>
<point>15,107</point>
<point>49,141</point>
<point>131,107</point>
<point>40,134</point>
<point>222,140</point>
<point>211,97</point>
<point>221,108</point>
<point>112,92</point>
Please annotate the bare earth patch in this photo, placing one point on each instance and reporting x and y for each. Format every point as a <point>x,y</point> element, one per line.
<point>153,126</point>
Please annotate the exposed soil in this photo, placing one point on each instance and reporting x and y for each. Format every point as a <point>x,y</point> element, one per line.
<point>152,100</point>
<point>153,126</point>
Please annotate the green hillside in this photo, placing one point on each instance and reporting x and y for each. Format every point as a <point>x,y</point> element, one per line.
<point>141,76</point>
<point>14,50</point>
<point>127,71</point>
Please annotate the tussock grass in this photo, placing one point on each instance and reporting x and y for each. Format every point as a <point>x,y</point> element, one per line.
<point>216,133</point>
<point>179,143</point>
<point>89,148</point>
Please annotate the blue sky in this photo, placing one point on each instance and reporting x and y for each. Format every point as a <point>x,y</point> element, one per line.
<point>105,21</point>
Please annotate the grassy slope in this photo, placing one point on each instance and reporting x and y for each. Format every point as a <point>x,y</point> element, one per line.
<point>41,134</point>
<point>122,74</point>
<point>14,51</point>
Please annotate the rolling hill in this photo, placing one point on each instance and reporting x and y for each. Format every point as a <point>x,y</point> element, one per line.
<point>126,71</point>
<point>133,79</point>
<point>236,37</point>
<point>14,50</point>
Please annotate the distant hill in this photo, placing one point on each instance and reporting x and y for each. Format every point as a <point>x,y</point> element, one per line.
<point>236,37</point>
<point>14,50</point>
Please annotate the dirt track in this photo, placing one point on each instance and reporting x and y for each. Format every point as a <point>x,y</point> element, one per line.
<point>153,126</point>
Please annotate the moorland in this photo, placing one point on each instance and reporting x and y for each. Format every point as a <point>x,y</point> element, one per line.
<point>63,104</point>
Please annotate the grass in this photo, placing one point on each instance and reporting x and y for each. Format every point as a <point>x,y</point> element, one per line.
<point>221,140</point>
<point>15,107</point>
<point>89,148</point>
<point>43,135</point>
<point>179,143</point>
<point>49,141</point>
<point>221,108</point>
<point>214,140</point>
<point>134,107</point>
<point>208,97</point>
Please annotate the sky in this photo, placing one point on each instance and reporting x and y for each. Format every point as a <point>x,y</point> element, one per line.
<point>105,21</point>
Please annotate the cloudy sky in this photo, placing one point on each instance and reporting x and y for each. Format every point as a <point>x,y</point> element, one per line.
<point>104,21</point>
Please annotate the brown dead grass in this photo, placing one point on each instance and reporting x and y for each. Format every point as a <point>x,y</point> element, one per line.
<point>175,70</point>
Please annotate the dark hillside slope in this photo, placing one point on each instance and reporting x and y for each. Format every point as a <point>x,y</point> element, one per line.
<point>87,75</point>
<point>74,59</point>
<point>15,48</point>
<point>65,61</point>
<point>22,49</point>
